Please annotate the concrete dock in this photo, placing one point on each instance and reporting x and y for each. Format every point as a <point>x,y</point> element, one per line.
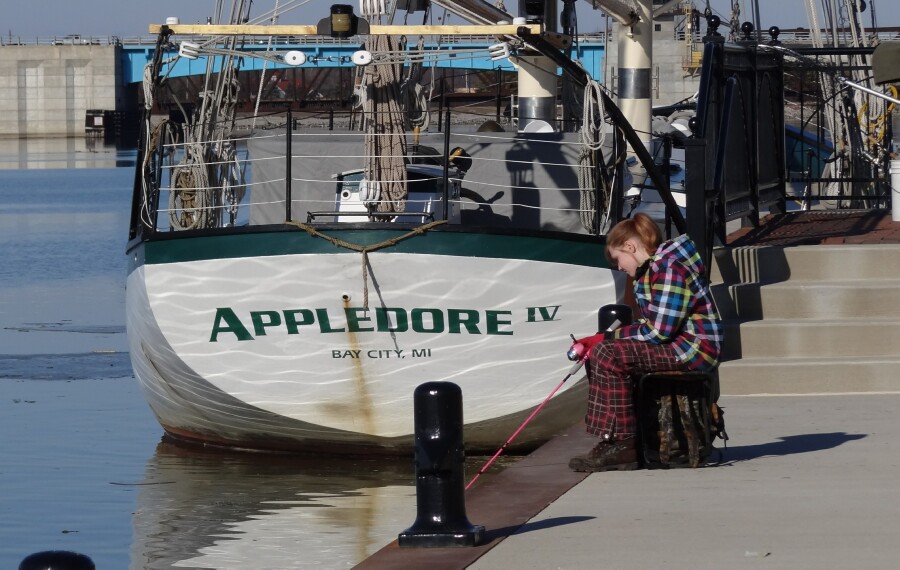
<point>809,481</point>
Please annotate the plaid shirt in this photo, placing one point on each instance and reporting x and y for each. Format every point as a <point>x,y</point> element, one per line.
<point>676,305</point>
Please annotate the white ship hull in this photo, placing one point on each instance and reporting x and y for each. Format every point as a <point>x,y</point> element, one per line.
<point>277,351</point>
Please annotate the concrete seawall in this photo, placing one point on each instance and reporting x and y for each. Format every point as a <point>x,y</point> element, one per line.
<point>46,90</point>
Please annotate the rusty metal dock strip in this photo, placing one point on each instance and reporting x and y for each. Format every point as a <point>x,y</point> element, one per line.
<point>502,505</point>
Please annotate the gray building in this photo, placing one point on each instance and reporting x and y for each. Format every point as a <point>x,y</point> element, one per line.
<point>46,90</point>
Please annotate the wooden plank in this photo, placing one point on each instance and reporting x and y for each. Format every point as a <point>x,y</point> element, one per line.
<point>290,30</point>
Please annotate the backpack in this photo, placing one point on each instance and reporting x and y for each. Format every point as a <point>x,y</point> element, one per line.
<point>679,421</point>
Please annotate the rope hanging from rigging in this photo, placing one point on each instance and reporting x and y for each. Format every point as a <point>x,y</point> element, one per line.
<point>385,166</point>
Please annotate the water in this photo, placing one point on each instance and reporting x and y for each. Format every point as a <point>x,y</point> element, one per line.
<point>82,463</point>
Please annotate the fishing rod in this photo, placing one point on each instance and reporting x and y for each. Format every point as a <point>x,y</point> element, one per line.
<point>577,353</point>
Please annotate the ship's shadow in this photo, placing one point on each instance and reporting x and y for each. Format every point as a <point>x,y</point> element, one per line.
<point>787,445</point>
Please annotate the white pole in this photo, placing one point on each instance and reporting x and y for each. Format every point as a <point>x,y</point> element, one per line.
<point>537,91</point>
<point>895,190</point>
<point>635,60</point>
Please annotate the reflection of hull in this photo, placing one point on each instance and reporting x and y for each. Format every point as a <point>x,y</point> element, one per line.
<point>222,510</point>
<point>260,340</point>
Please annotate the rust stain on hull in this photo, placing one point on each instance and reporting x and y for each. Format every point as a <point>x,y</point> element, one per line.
<point>362,407</point>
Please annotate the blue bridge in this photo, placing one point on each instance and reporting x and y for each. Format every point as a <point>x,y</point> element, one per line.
<point>460,54</point>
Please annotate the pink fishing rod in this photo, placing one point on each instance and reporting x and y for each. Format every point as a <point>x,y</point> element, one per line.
<point>577,353</point>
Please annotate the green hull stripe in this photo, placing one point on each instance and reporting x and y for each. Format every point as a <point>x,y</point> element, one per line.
<point>547,249</point>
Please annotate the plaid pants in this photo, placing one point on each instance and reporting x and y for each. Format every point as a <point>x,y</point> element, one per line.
<point>612,369</point>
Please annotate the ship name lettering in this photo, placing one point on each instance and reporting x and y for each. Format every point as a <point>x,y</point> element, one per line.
<point>356,319</point>
<point>536,314</point>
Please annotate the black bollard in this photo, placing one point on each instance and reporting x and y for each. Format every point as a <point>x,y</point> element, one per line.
<point>57,560</point>
<point>440,475</point>
<point>609,314</point>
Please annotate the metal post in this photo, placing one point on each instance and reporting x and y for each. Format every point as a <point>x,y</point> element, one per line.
<point>441,519</point>
<point>695,193</point>
<point>442,101</point>
<point>666,164</point>
<point>609,314</point>
<point>598,162</point>
<point>446,194</point>
<point>499,81</point>
<point>287,167</point>
<point>57,560</point>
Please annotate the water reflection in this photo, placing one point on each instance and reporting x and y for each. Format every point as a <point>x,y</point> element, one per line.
<point>203,509</point>
<point>65,152</point>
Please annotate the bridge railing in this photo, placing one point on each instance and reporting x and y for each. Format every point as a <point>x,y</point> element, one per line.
<point>69,40</point>
<point>12,40</point>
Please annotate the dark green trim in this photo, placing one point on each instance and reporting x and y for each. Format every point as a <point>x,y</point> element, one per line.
<point>575,250</point>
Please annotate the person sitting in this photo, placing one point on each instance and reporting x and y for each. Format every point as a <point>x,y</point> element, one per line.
<point>678,329</point>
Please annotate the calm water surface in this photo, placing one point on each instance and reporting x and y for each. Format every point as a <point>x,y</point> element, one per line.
<point>82,463</point>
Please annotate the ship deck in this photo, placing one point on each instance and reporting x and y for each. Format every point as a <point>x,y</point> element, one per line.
<point>825,227</point>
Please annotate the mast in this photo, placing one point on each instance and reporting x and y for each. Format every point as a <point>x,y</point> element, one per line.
<point>537,77</point>
<point>635,60</point>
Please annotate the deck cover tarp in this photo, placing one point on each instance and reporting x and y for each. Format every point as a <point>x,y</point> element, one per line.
<point>886,62</point>
<point>527,181</point>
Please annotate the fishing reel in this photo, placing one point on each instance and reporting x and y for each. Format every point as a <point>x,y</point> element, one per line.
<point>577,351</point>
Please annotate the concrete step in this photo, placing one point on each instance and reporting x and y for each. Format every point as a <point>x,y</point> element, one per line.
<point>786,338</point>
<point>816,375</point>
<point>802,299</point>
<point>770,264</point>
<point>809,319</point>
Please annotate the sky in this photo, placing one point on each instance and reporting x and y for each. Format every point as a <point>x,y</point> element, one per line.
<point>33,19</point>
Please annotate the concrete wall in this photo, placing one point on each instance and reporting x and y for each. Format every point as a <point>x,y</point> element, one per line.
<point>45,90</point>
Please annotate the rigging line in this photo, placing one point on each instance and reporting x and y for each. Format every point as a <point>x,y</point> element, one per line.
<point>255,21</point>
<point>262,74</point>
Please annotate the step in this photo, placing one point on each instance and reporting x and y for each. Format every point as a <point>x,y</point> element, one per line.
<point>770,264</point>
<point>783,338</point>
<point>875,298</point>
<point>809,375</point>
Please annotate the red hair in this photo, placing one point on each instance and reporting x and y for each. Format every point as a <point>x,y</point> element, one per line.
<point>640,227</point>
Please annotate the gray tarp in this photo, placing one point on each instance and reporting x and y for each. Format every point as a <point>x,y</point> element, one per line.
<point>886,62</point>
<point>536,172</point>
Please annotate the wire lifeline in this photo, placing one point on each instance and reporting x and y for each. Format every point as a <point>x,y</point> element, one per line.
<point>365,249</point>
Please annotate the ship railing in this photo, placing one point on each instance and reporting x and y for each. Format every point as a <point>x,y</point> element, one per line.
<point>286,172</point>
<point>801,36</point>
<point>740,165</point>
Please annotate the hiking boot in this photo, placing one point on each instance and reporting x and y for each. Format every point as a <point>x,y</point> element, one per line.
<point>619,455</point>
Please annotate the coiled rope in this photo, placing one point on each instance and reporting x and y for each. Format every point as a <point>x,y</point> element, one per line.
<point>365,249</point>
<point>385,141</point>
<point>592,139</point>
<point>414,103</point>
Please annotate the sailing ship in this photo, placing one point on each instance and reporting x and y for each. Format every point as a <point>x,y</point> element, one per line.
<point>290,287</point>
<point>291,284</point>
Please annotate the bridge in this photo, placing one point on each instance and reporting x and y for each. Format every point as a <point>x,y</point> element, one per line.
<point>456,52</point>
<point>48,87</point>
